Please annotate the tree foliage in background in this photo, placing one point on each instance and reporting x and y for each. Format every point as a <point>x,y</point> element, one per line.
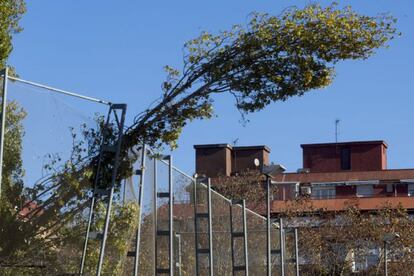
<point>340,240</point>
<point>11,12</point>
<point>272,59</point>
<point>11,229</point>
<point>333,242</point>
<point>247,185</point>
<point>12,184</point>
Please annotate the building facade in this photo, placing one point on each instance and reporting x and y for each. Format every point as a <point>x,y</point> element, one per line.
<point>333,177</point>
<point>333,174</point>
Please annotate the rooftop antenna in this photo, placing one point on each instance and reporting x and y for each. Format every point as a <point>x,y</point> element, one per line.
<point>337,121</point>
<point>234,143</point>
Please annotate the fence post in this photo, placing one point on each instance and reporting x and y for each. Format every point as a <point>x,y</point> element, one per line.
<point>140,197</point>
<point>210,227</point>
<point>3,120</point>
<point>269,256</point>
<point>155,217</point>
<point>171,216</point>
<point>296,251</point>
<point>282,248</point>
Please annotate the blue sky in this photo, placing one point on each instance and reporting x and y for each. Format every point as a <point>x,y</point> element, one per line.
<point>116,50</point>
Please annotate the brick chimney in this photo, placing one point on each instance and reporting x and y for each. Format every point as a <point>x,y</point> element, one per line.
<point>348,156</point>
<point>243,157</point>
<point>224,160</point>
<point>213,160</point>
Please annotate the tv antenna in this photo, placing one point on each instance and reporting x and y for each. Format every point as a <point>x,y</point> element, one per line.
<point>337,121</point>
<point>234,143</point>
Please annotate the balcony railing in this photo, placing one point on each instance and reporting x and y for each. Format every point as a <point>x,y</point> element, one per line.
<point>338,204</point>
<point>355,196</point>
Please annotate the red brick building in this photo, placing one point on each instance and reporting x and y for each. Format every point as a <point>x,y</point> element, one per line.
<point>333,174</point>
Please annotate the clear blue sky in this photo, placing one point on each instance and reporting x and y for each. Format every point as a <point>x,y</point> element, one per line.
<point>116,50</point>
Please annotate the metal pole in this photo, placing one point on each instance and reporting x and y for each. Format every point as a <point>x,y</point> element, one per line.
<point>113,180</point>
<point>140,197</point>
<point>179,264</point>
<point>269,256</point>
<point>171,218</point>
<point>246,256</point>
<point>92,206</point>
<point>155,217</point>
<point>385,259</point>
<point>88,229</point>
<point>105,233</point>
<point>64,92</point>
<point>4,72</point>
<point>210,228</point>
<point>233,261</point>
<point>296,252</point>
<point>282,248</point>
<point>195,226</point>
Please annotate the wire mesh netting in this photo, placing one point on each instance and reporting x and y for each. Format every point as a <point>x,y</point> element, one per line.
<point>48,146</point>
<point>191,232</point>
<point>52,144</point>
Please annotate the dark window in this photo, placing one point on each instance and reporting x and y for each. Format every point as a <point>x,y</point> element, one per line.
<point>345,159</point>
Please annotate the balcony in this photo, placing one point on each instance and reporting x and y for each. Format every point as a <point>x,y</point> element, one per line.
<point>339,204</point>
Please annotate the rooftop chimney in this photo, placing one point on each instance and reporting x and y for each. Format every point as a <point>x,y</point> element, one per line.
<point>224,160</point>
<point>348,156</point>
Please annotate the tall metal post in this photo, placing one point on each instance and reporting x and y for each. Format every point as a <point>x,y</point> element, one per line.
<point>88,230</point>
<point>140,197</point>
<point>179,255</point>
<point>208,216</point>
<point>155,217</point>
<point>162,233</point>
<point>105,232</point>
<point>92,205</point>
<point>296,252</point>
<point>282,248</point>
<point>385,258</point>
<point>117,150</point>
<point>246,253</point>
<point>4,72</point>
<point>233,258</point>
<point>171,218</point>
<point>196,226</point>
<point>239,234</point>
<point>210,228</point>
<point>107,189</point>
<point>269,256</point>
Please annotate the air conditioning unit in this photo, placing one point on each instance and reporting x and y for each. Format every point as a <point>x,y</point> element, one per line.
<point>303,170</point>
<point>306,191</point>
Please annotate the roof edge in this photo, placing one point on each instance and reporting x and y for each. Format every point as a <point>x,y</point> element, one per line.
<point>372,142</point>
<point>264,147</point>
<point>205,146</point>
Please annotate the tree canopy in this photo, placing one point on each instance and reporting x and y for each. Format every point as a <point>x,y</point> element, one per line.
<point>10,13</point>
<point>271,59</point>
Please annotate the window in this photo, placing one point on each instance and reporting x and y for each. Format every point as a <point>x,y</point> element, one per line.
<point>365,259</point>
<point>286,191</point>
<point>411,189</point>
<point>345,159</point>
<point>365,190</point>
<point>323,192</point>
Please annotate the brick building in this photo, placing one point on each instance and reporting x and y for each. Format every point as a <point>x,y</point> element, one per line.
<point>333,174</point>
